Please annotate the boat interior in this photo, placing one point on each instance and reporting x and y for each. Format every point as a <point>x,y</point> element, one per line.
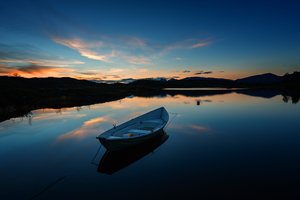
<point>137,129</point>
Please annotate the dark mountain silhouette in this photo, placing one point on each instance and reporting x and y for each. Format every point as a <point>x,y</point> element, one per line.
<point>57,83</point>
<point>184,83</point>
<point>267,78</point>
<point>20,95</point>
<point>197,78</point>
<point>263,93</point>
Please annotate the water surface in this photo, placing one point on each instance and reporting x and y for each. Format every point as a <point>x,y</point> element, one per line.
<point>229,145</point>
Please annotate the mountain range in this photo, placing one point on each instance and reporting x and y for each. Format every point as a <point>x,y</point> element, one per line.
<point>260,80</point>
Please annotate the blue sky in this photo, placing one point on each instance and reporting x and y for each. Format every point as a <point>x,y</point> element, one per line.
<point>138,39</point>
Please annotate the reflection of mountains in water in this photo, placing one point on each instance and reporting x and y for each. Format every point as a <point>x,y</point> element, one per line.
<point>293,95</point>
<point>15,109</point>
<point>113,161</point>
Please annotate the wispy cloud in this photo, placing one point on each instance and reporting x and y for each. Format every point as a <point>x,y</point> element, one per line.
<point>85,49</point>
<point>203,72</point>
<point>196,72</point>
<point>115,70</point>
<point>35,71</point>
<point>199,128</point>
<point>200,44</point>
<point>42,62</point>
<point>25,53</point>
<point>29,61</point>
<point>186,44</point>
<point>114,76</point>
<point>126,48</point>
<point>135,41</point>
<point>138,60</point>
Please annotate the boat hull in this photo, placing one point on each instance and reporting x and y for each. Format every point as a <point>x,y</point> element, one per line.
<point>113,161</point>
<point>117,144</point>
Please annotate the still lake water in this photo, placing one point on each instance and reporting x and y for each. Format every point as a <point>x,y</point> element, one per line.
<point>230,145</point>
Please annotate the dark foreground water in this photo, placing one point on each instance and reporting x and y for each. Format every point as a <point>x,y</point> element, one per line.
<point>229,145</point>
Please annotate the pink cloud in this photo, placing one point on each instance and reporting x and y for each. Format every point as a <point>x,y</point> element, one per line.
<point>200,44</point>
<point>85,49</point>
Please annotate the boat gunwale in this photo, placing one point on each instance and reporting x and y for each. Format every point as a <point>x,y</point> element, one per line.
<point>133,137</point>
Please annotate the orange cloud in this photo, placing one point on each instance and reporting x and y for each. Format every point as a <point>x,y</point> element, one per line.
<point>35,71</point>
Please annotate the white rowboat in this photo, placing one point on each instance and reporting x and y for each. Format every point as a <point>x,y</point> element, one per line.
<point>135,131</point>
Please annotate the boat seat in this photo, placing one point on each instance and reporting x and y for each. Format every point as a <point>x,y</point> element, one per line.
<point>156,121</point>
<point>113,137</point>
<point>139,131</point>
<point>135,132</point>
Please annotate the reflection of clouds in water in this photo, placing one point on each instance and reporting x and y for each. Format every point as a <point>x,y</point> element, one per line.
<point>117,105</point>
<point>55,116</point>
<point>206,100</point>
<point>93,121</point>
<point>53,110</point>
<point>190,129</point>
<point>134,106</point>
<point>89,127</point>
<point>46,114</point>
<point>12,122</point>
<point>128,103</point>
<point>134,114</point>
<point>152,101</point>
<point>36,118</point>
<point>134,103</point>
<point>199,128</point>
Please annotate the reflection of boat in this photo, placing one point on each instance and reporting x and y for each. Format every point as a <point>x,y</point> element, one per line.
<point>113,161</point>
<point>135,131</point>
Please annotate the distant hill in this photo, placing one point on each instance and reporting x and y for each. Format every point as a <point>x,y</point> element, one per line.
<point>256,81</point>
<point>124,81</point>
<point>191,82</point>
<point>46,83</point>
<point>20,95</point>
<point>18,90</point>
<point>36,85</point>
<point>197,78</point>
<point>267,78</point>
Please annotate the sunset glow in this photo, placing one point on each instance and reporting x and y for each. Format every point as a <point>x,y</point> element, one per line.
<point>85,41</point>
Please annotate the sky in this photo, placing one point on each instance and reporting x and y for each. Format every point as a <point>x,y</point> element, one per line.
<point>113,40</point>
